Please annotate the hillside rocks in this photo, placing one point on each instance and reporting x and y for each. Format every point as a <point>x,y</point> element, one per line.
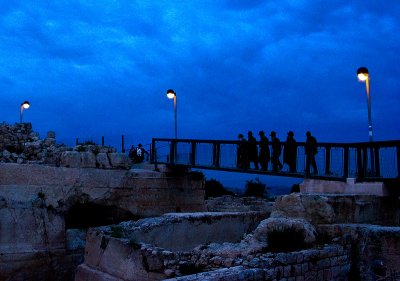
<point>20,144</point>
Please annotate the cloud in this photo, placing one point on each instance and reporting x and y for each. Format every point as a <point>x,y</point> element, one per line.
<point>235,65</point>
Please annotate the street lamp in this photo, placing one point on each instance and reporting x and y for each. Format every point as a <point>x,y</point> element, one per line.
<point>363,76</point>
<point>172,95</point>
<point>24,105</point>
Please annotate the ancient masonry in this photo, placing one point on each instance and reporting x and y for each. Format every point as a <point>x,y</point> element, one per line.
<point>50,194</point>
<point>302,237</point>
<point>87,214</point>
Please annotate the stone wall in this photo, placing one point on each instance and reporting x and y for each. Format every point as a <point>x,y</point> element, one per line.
<point>36,202</point>
<point>342,208</point>
<point>229,203</point>
<point>376,249</point>
<point>123,252</point>
<point>306,237</point>
<point>328,263</point>
<point>369,224</point>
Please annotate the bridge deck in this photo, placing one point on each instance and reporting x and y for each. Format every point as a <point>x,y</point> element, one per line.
<point>376,161</point>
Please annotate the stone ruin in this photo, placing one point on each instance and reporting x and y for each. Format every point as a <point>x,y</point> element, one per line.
<point>49,223</point>
<point>20,144</point>
<point>302,237</point>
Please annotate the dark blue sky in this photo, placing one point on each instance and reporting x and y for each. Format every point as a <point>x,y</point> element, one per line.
<point>92,68</point>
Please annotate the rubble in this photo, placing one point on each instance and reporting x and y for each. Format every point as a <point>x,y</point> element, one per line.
<point>20,144</point>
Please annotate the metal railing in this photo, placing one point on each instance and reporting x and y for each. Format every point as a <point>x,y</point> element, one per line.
<point>336,161</point>
<point>122,143</point>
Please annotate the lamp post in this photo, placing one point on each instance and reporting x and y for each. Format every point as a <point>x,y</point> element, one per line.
<point>24,105</point>
<point>363,76</point>
<point>172,95</point>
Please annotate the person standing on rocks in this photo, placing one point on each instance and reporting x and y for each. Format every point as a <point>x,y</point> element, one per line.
<point>132,153</point>
<point>311,150</point>
<point>264,155</point>
<point>253,150</point>
<point>276,153</point>
<point>140,153</point>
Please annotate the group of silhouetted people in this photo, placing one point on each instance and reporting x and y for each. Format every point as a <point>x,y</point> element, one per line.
<point>259,153</point>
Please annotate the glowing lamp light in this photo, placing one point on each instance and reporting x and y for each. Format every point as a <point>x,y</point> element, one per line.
<point>171,94</point>
<point>362,74</point>
<point>25,105</point>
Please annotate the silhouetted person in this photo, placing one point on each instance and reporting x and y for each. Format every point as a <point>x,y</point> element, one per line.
<point>311,150</point>
<point>290,152</point>
<point>252,149</point>
<point>242,150</point>
<point>140,153</point>
<point>276,153</point>
<point>132,153</point>
<point>264,155</point>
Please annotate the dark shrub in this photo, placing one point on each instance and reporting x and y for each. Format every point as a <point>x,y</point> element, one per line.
<point>196,175</point>
<point>295,188</point>
<point>256,188</point>
<point>214,188</point>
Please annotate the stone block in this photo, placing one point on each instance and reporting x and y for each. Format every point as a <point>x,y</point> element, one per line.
<point>294,226</point>
<point>102,161</point>
<point>88,160</point>
<point>351,180</point>
<point>119,160</point>
<point>85,273</point>
<point>349,187</point>
<point>314,208</point>
<point>324,263</point>
<point>71,159</point>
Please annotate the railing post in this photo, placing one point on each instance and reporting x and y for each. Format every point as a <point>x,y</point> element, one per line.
<point>365,161</point>
<point>216,153</point>
<point>360,169</point>
<point>328,160</point>
<point>193,154</point>
<point>123,144</point>
<point>346,162</point>
<point>102,140</point>
<point>153,154</point>
<point>398,159</point>
<point>377,165</point>
<point>152,151</point>
<point>172,151</point>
